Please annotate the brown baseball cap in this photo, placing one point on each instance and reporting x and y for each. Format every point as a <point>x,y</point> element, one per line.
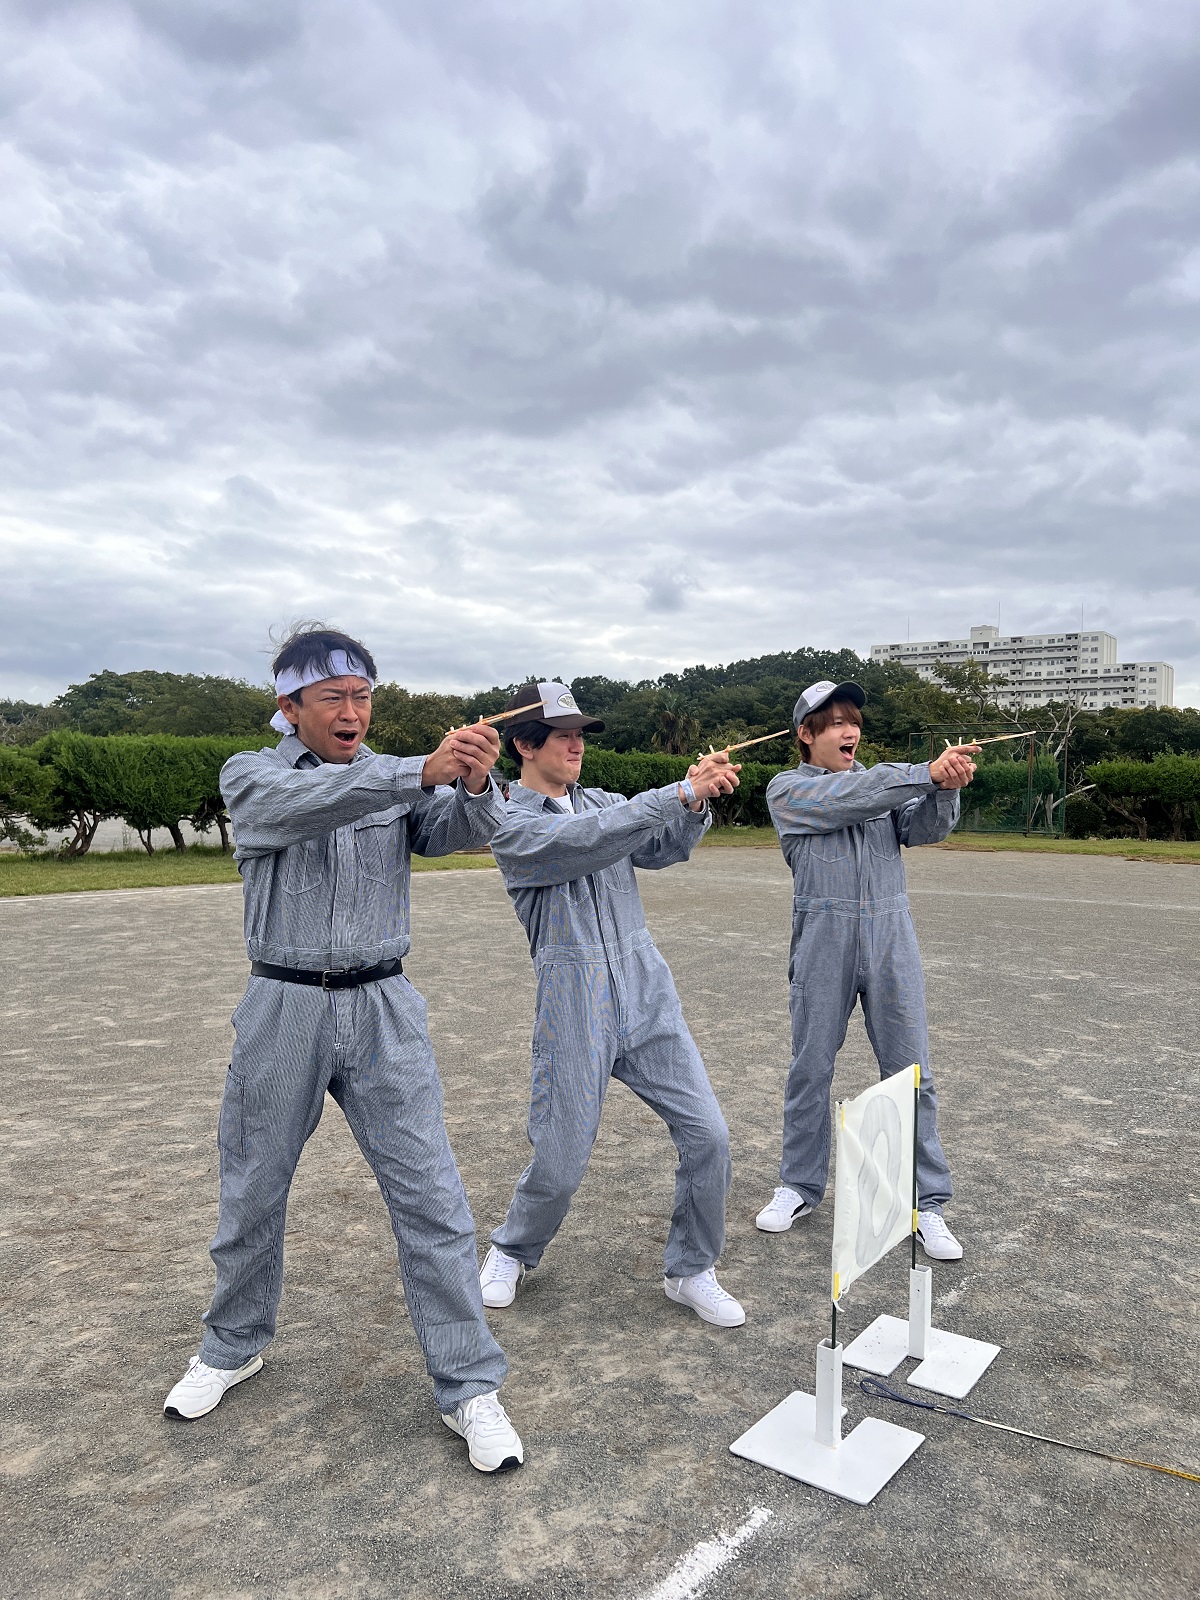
<point>553,704</point>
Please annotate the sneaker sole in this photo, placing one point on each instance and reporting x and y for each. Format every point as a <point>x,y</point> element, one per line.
<point>193,1416</point>
<point>509,1464</point>
<point>782,1227</point>
<point>705,1316</point>
<point>935,1255</point>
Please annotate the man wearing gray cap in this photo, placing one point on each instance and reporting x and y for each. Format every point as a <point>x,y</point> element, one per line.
<point>841,826</point>
<point>606,1005</point>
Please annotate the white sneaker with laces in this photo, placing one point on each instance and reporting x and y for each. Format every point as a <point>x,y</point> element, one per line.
<point>493,1444</point>
<point>782,1210</point>
<point>935,1237</point>
<point>707,1299</point>
<point>498,1278</point>
<point>202,1387</point>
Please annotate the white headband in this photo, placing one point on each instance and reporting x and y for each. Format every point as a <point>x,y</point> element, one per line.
<point>293,678</point>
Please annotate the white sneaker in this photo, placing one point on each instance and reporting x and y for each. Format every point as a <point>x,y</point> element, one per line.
<point>498,1278</point>
<point>782,1210</point>
<point>935,1237</point>
<point>203,1387</point>
<point>706,1298</point>
<point>493,1444</point>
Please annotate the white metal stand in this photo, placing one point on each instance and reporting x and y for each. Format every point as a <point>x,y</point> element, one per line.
<point>802,1437</point>
<point>950,1364</point>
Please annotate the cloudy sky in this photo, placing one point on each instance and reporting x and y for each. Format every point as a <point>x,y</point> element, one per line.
<point>547,336</point>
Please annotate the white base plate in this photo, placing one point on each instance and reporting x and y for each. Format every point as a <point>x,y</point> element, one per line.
<point>864,1461</point>
<point>953,1366</point>
<point>880,1348</point>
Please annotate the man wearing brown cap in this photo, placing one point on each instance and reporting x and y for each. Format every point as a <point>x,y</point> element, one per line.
<point>607,1006</point>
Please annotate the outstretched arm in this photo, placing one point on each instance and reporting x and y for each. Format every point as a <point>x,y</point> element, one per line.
<point>928,821</point>
<point>801,804</point>
<point>455,819</point>
<point>534,848</point>
<point>272,805</point>
<point>712,775</point>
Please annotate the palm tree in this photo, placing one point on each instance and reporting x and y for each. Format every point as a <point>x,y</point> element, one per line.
<point>676,731</point>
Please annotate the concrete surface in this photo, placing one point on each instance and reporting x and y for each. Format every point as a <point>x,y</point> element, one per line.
<point>1063,1003</point>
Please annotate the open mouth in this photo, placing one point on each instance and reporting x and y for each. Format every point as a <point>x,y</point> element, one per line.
<point>848,748</point>
<point>346,738</point>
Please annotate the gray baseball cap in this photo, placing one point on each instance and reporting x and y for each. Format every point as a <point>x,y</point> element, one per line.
<point>553,704</point>
<point>819,694</point>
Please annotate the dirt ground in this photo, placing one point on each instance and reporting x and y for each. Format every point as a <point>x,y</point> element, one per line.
<point>1064,1008</point>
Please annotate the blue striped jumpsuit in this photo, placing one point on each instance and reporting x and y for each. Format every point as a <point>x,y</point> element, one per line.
<point>323,850</point>
<point>606,1007</point>
<point>852,938</point>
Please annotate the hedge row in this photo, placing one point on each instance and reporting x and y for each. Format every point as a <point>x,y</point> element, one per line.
<point>1160,796</point>
<point>630,772</point>
<point>75,781</point>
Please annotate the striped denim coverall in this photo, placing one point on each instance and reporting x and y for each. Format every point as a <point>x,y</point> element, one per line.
<point>323,850</point>
<point>606,1007</point>
<point>852,937</point>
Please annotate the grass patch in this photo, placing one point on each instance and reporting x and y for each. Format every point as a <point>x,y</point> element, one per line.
<point>743,838</point>
<point>167,869</point>
<point>1128,849</point>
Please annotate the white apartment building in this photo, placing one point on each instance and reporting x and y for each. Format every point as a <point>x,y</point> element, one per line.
<point>1041,667</point>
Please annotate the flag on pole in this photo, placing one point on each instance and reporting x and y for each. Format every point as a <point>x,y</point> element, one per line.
<point>873,1184</point>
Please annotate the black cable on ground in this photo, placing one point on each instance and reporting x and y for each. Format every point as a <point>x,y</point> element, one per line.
<point>880,1390</point>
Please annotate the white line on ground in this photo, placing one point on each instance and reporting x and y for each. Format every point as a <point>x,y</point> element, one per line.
<point>688,1576</point>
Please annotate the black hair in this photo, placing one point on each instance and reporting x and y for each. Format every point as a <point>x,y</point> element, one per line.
<point>311,644</point>
<point>530,733</point>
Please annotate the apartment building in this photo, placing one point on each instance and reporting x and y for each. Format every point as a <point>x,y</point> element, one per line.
<point>1041,667</point>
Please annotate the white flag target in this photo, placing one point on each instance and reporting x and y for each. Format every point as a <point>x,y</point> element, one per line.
<point>873,1185</point>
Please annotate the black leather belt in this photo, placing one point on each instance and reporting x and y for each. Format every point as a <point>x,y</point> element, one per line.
<point>337,978</point>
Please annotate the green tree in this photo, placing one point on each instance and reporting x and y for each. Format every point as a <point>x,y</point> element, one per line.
<point>1178,784</point>
<point>1127,787</point>
<point>183,704</point>
<point>23,723</point>
<point>676,730</point>
<point>25,793</point>
<point>404,724</point>
<point>971,684</point>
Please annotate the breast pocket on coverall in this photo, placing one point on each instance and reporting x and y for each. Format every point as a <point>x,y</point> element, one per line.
<point>375,845</point>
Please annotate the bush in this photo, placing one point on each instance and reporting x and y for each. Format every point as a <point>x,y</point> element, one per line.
<point>629,772</point>
<point>149,781</point>
<point>25,789</point>
<point>1158,795</point>
<point>1084,818</point>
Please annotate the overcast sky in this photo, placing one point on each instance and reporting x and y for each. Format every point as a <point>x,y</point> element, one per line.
<point>540,336</point>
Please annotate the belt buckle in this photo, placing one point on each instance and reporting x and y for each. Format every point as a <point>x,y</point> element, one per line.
<point>333,972</point>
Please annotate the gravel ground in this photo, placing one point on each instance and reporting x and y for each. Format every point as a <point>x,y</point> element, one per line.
<point>1063,1004</point>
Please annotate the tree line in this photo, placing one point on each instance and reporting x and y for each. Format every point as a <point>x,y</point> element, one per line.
<point>147,746</point>
<point>675,714</point>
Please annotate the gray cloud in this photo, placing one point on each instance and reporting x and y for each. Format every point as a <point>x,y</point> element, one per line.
<point>597,338</point>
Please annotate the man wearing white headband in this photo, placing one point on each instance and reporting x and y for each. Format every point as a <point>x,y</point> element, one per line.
<point>324,829</point>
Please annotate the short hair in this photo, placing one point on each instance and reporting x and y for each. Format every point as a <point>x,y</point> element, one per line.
<point>531,733</point>
<point>311,644</point>
<point>816,722</point>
